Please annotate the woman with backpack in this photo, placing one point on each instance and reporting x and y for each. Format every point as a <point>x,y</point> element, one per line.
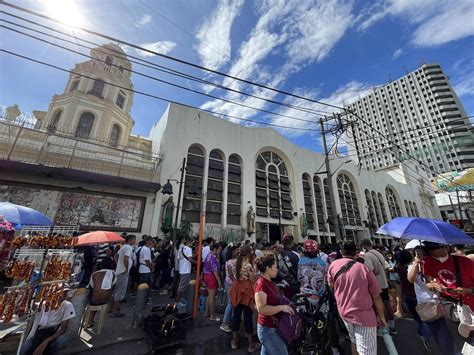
<point>267,302</point>
<point>242,297</point>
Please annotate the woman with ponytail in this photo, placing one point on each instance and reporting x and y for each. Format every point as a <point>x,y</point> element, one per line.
<point>266,299</point>
<point>242,297</point>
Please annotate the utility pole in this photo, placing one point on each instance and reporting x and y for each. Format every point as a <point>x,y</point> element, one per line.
<point>332,201</point>
<point>178,205</point>
<point>461,225</point>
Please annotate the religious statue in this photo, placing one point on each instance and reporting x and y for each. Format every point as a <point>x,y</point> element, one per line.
<point>250,221</point>
<point>167,215</point>
<point>304,225</point>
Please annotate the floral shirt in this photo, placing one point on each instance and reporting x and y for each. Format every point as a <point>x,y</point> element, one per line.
<point>244,271</point>
<point>211,264</point>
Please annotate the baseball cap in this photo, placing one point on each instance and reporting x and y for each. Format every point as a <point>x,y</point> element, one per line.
<point>311,246</point>
<point>287,239</point>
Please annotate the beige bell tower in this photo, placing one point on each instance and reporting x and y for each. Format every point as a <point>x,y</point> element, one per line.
<point>92,106</point>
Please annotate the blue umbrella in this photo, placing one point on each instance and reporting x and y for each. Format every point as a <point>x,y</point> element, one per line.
<point>25,216</point>
<point>428,230</point>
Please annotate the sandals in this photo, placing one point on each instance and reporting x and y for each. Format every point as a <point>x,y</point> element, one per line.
<point>256,347</point>
<point>217,319</point>
<point>233,346</point>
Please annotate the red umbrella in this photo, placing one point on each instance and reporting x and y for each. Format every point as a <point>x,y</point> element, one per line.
<point>99,237</point>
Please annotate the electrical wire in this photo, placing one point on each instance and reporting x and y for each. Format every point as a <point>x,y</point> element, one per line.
<point>154,96</point>
<point>154,66</point>
<point>157,79</point>
<point>181,61</point>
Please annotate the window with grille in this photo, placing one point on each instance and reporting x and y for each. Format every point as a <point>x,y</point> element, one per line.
<point>84,127</point>
<point>215,187</point>
<point>308,201</point>
<point>109,60</point>
<point>350,212</point>
<point>273,191</point>
<point>193,184</point>
<point>234,190</point>
<point>319,202</point>
<point>74,85</point>
<point>120,101</point>
<point>114,135</point>
<point>393,204</point>
<point>97,88</point>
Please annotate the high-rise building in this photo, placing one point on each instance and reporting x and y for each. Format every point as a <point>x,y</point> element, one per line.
<point>420,113</point>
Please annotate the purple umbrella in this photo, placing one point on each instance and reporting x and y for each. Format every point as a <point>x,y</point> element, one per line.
<point>429,230</point>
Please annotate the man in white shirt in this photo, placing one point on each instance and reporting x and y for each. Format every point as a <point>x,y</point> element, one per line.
<point>145,263</point>
<point>124,259</point>
<point>206,248</point>
<point>47,333</point>
<point>375,261</point>
<point>185,258</point>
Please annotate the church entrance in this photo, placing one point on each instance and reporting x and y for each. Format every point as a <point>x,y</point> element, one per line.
<point>274,233</point>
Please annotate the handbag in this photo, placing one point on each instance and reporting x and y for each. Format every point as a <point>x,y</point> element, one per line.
<point>429,311</point>
<point>450,304</point>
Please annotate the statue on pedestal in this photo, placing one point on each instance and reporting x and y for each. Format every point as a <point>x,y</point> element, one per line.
<point>250,221</point>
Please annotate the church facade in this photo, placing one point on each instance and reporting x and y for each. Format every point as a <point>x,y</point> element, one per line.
<point>257,184</point>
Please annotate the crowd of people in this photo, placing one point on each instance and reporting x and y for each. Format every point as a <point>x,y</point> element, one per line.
<point>372,285</point>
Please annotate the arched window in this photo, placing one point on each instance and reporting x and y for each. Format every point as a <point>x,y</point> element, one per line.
<point>215,187</point>
<point>308,201</point>
<point>109,60</point>
<point>273,187</point>
<point>98,88</point>
<point>415,209</point>
<point>114,135</point>
<point>370,208</point>
<point>234,190</point>
<point>84,127</point>
<point>393,205</point>
<point>327,199</point>
<point>408,207</point>
<point>53,126</point>
<point>348,200</point>
<point>319,202</point>
<point>193,184</point>
<point>382,208</point>
<point>378,212</point>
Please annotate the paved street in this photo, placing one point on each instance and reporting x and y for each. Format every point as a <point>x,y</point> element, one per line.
<point>205,337</point>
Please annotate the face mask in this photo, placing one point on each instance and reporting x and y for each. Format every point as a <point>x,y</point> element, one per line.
<point>442,259</point>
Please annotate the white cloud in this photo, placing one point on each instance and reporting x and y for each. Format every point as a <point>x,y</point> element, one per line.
<point>145,20</point>
<point>437,21</point>
<point>163,47</point>
<point>214,46</point>
<point>463,77</point>
<point>297,32</point>
<point>397,53</point>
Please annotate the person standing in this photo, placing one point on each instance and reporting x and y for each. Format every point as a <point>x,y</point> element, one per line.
<point>288,266</point>
<point>312,271</point>
<point>267,302</point>
<point>213,280</point>
<point>242,297</point>
<point>145,261</point>
<point>185,261</point>
<point>232,253</point>
<point>357,293</point>
<point>375,261</point>
<point>124,264</point>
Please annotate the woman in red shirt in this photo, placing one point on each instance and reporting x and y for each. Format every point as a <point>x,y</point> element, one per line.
<point>266,300</point>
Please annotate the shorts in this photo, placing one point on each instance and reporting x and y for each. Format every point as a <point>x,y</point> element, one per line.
<point>183,282</point>
<point>365,338</point>
<point>384,294</point>
<point>121,286</point>
<point>211,281</point>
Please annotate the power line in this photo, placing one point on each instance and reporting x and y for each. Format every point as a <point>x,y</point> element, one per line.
<point>157,79</point>
<point>155,66</point>
<point>154,96</point>
<point>397,145</point>
<point>181,61</point>
<point>415,181</point>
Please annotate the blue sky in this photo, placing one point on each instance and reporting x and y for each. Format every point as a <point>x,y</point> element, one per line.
<point>330,50</point>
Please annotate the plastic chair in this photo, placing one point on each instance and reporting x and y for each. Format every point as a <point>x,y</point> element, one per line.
<point>103,312</point>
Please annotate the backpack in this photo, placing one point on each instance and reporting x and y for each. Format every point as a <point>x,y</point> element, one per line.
<point>288,326</point>
<point>134,270</point>
<point>286,273</point>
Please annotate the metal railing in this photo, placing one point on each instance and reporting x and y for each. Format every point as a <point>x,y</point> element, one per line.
<point>24,140</point>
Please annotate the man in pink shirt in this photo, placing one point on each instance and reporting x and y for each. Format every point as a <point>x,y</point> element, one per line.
<point>357,293</point>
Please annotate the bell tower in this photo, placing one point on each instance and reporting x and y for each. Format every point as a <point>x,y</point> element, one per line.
<point>97,99</point>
